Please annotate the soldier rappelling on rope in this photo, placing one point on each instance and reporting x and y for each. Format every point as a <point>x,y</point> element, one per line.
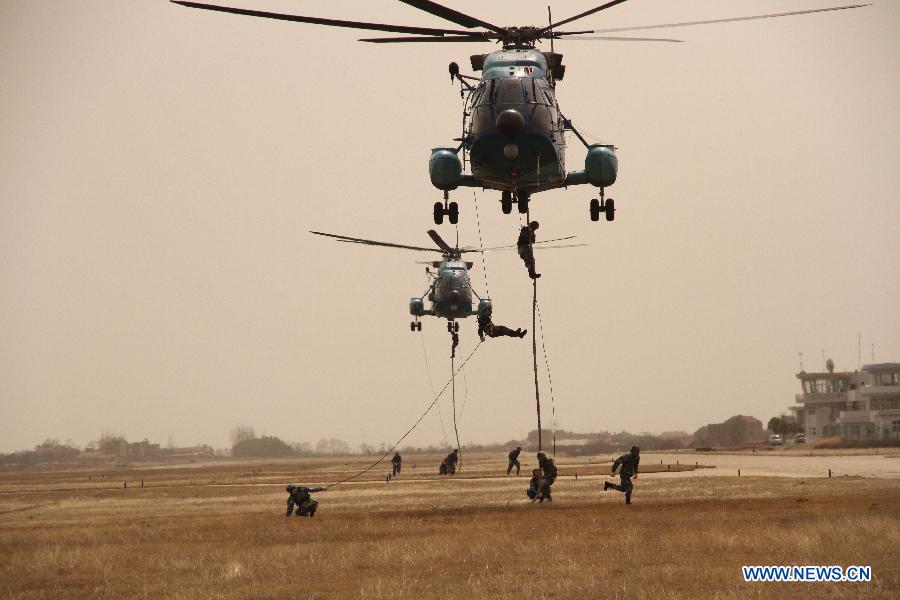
<point>526,251</point>
<point>486,326</point>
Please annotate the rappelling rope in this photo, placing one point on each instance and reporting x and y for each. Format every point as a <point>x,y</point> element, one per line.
<point>549,375</point>
<point>537,389</point>
<point>487,289</point>
<point>466,396</point>
<point>453,396</point>
<point>431,386</point>
<point>410,430</point>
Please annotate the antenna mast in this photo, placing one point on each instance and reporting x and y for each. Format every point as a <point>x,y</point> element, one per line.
<point>550,19</point>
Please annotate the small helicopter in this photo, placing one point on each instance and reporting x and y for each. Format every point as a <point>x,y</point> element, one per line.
<point>450,292</point>
<point>513,129</point>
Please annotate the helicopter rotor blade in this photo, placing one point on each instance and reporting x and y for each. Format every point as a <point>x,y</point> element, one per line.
<point>730,20</point>
<point>454,16</point>
<point>586,13</point>
<point>510,249</point>
<point>607,38</point>
<point>352,240</point>
<point>448,38</point>
<point>445,248</point>
<point>321,21</point>
<point>511,246</point>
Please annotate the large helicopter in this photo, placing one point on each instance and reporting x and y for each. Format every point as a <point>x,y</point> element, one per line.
<point>513,129</point>
<point>450,292</point>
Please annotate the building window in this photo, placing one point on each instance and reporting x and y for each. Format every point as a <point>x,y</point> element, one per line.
<point>887,379</point>
<point>811,411</point>
<point>812,431</point>
<point>895,426</point>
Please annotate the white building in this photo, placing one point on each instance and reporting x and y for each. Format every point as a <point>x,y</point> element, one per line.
<point>862,405</point>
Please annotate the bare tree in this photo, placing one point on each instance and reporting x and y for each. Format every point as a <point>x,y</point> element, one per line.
<point>242,433</point>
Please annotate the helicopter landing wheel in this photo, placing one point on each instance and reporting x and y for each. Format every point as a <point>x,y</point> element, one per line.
<point>412,325</point>
<point>453,213</point>
<point>438,213</point>
<point>610,209</point>
<point>523,204</point>
<point>456,327</point>
<point>595,209</point>
<point>506,201</point>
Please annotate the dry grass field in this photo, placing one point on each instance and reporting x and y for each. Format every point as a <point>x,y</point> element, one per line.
<point>218,531</point>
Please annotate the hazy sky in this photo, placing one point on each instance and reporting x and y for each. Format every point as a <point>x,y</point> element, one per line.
<point>161,167</point>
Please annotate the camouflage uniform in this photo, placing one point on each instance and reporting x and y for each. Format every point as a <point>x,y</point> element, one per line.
<point>514,461</point>
<point>526,252</point>
<point>548,474</point>
<point>450,462</point>
<point>629,463</point>
<point>534,486</point>
<point>300,496</point>
<point>486,327</point>
<point>396,462</point>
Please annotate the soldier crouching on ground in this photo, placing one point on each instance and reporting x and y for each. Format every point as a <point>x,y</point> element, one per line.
<point>534,486</point>
<point>548,475</point>
<point>300,496</point>
<point>629,463</point>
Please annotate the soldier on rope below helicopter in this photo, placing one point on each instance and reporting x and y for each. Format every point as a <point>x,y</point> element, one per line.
<point>526,252</point>
<point>487,327</point>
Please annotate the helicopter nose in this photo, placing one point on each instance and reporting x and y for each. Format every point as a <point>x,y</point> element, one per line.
<point>510,122</point>
<point>454,295</point>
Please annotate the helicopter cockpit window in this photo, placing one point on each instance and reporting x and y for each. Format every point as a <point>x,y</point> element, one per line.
<point>511,91</point>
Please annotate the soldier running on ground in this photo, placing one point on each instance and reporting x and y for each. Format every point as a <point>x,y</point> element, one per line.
<point>300,496</point>
<point>514,461</point>
<point>629,463</point>
<point>396,462</point>
<point>526,252</point>
<point>548,475</point>
<point>486,326</point>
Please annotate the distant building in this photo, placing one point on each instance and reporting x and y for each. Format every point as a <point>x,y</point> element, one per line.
<point>862,405</point>
<point>736,431</point>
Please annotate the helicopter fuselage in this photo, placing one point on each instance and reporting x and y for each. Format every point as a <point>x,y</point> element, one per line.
<point>515,138</point>
<point>514,131</point>
<point>450,293</point>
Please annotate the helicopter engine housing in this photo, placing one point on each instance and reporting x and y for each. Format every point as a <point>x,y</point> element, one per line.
<point>416,307</point>
<point>445,168</point>
<point>601,165</point>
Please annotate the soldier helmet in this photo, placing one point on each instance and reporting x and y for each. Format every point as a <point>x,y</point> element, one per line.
<point>541,455</point>
<point>289,488</point>
<point>518,447</point>
<point>534,224</point>
<point>635,449</point>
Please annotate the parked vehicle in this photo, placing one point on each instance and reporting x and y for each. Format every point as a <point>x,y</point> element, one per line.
<point>800,438</point>
<point>776,440</point>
